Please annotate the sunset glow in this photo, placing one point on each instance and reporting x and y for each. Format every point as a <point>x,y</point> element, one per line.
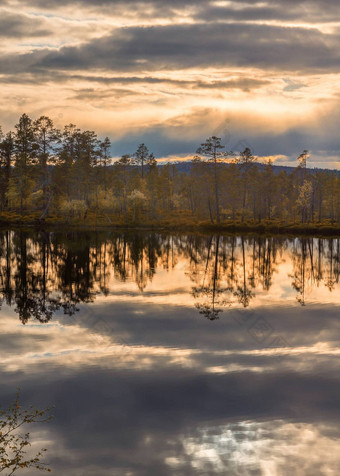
<point>173,73</point>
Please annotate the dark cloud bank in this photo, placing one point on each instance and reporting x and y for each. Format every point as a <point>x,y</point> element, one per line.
<point>191,46</point>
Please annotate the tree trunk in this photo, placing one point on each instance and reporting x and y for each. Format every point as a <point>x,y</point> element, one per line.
<point>216,192</point>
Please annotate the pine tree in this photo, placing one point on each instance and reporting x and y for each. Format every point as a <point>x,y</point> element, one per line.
<point>211,150</point>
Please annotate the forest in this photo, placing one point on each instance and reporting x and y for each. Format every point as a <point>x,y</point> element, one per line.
<point>69,177</point>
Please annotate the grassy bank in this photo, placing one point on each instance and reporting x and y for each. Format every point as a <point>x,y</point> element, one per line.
<point>181,222</point>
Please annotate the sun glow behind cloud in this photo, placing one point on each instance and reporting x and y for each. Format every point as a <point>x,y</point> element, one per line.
<point>169,73</point>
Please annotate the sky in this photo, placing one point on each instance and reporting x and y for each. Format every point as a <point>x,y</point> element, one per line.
<point>172,73</point>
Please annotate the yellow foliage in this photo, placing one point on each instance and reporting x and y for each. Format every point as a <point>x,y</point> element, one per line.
<point>73,208</point>
<point>104,200</point>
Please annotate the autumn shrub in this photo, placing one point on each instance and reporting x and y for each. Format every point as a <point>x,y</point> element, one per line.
<point>73,208</point>
<point>15,453</point>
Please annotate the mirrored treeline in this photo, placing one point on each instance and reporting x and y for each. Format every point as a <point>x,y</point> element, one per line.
<point>45,272</point>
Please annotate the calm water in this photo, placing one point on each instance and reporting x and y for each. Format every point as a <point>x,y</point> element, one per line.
<point>175,355</point>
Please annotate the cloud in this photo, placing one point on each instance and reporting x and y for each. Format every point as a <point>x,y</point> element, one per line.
<point>313,11</point>
<point>14,25</point>
<point>191,46</point>
<point>97,4</point>
<point>243,83</point>
<point>142,70</point>
<point>104,97</point>
<point>266,136</point>
<point>283,11</point>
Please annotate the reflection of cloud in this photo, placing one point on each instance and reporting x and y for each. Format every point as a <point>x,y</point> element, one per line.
<point>148,336</point>
<point>159,388</point>
<point>268,448</point>
<point>265,447</point>
<point>113,418</point>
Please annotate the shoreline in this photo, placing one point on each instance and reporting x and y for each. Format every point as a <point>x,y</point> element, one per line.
<point>264,228</point>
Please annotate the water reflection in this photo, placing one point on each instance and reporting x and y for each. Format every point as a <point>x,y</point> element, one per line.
<point>41,273</point>
<point>143,382</point>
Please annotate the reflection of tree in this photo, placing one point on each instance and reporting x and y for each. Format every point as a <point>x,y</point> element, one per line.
<point>243,293</point>
<point>33,297</point>
<point>42,273</point>
<point>144,251</point>
<point>227,274</point>
<point>267,260</point>
<point>211,293</point>
<point>7,257</point>
<point>45,272</point>
<point>332,275</point>
<point>75,270</point>
<point>311,268</point>
<point>299,276</point>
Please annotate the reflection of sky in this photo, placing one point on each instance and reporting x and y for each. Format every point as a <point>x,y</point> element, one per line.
<point>268,448</point>
<point>157,386</point>
<point>143,384</point>
<point>175,287</point>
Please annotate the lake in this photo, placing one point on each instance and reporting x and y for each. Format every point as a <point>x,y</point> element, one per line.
<point>175,354</point>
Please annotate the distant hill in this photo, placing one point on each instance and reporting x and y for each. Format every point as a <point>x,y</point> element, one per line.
<point>185,167</point>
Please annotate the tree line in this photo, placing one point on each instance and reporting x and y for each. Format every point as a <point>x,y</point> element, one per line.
<point>70,174</point>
